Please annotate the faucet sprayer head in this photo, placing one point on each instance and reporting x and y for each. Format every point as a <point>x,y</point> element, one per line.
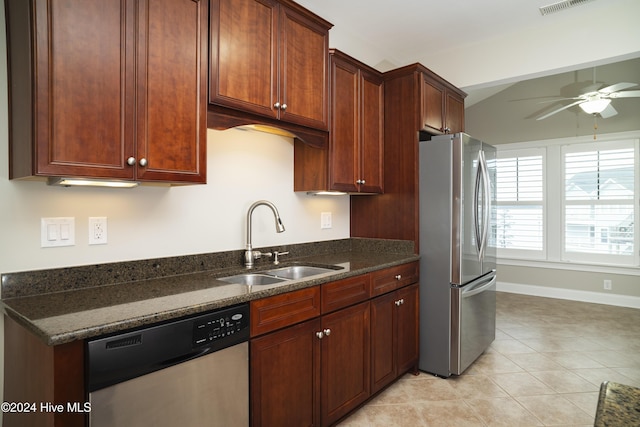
<point>279,225</point>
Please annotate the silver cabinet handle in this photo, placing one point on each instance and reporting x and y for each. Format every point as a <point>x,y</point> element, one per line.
<point>327,332</point>
<point>319,335</point>
<point>276,105</point>
<point>399,302</point>
<point>284,107</point>
<point>131,161</point>
<point>360,181</point>
<point>447,130</point>
<point>143,162</point>
<point>398,276</point>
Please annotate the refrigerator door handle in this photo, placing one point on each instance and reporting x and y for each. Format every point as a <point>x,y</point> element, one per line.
<point>478,288</point>
<point>476,206</point>
<point>487,204</point>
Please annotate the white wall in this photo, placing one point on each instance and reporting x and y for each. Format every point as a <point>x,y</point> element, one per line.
<point>149,222</point>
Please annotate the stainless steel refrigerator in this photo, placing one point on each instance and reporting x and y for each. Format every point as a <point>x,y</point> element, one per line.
<point>458,259</point>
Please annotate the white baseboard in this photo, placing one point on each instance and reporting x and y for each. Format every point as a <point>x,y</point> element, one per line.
<point>570,294</point>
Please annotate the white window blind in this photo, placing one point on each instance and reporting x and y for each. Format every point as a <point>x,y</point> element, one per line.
<point>599,202</point>
<point>520,203</point>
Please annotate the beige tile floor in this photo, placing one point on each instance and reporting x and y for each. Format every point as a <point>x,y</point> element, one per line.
<point>544,369</point>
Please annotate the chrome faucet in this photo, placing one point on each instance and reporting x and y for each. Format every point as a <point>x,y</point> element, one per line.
<point>250,255</point>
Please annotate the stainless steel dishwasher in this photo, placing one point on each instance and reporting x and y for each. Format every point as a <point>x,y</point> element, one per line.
<point>189,372</point>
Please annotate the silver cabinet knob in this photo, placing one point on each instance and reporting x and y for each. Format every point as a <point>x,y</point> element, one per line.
<point>398,276</point>
<point>397,303</point>
<point>131,161</point>
<point>276,105</point>
<point>401,301</point>
<point>447,130</point>
<point>319,335</point>
<point>284,107</point>
<point>327,332</point>
<point>143,162</point>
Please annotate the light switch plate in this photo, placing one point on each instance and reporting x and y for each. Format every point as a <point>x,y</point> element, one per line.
<point>325,220</point>
<point>56,232</point>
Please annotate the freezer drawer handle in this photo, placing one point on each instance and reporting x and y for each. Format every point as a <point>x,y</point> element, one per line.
<point>476,290</point>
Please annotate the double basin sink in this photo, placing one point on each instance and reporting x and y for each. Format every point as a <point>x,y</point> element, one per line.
<point>278,275</point>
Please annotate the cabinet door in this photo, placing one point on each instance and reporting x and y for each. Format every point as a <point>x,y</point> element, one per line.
<point>285,374</point>
<point>345,361</point>
<point>344,150</point>
<point>432,105</point>
<point>407,328</point>
<point>244,52</point>
<point>83,88</point>
<point>171,82</point>
<point>372,133</point>
<point>304,68</point>
<point>454,113</point>
<point>383,341</point>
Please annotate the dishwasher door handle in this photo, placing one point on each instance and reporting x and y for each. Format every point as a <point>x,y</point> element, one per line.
<point>184,357</point>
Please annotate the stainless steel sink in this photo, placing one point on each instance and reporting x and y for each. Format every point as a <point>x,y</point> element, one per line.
<point>253,279</point>
<point>296,272</point>
<point>279,275</point>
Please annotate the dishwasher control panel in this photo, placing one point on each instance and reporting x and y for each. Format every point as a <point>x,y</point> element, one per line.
<point>231,323</point>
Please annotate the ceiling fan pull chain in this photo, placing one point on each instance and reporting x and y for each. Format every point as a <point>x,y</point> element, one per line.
<point>595,126</point>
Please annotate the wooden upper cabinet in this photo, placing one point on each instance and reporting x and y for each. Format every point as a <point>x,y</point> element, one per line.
<point>171,90</point>
<point>102,82</point>
<point>270,58</point>
<point>357,126</point>
<point>442,109</point>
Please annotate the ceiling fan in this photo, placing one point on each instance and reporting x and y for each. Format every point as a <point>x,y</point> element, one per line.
<point>594,100</point>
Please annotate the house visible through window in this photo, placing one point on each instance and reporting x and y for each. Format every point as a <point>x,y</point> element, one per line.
<point>599,203</point>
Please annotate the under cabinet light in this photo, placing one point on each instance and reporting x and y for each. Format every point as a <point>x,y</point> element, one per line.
<point>326,193</point>
<point>84,182</point>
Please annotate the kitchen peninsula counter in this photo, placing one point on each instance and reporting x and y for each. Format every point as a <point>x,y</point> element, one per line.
<point>63,305</point>
<point>618,405</point>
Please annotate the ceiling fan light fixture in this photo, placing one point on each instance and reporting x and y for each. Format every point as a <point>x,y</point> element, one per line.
<point>595,106</point>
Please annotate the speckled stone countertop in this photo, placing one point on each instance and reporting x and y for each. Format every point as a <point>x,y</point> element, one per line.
<point>63,305</point>
<point>618,405</point>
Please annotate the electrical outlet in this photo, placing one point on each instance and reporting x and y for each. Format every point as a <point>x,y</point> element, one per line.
<point>325,220</point>
<point>98,230</point>
<point>607,285</point>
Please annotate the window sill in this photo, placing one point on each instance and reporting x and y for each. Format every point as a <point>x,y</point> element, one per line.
<point>572,266</point>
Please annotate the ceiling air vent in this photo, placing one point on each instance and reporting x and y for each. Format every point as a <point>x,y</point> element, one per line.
<point>561,5</point>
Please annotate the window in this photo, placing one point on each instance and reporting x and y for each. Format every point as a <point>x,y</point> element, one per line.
<point>520,203</point>
<point>573,203</point>
<point>599,202</point>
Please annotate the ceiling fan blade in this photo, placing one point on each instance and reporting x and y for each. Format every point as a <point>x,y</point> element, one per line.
<point>560,109</point>
<point>625,94</point>
<point>591,88</point>
<point>608,112</point>
<point>616,87</point>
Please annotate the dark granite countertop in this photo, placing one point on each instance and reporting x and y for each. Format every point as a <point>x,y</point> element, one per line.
<point>618,405</point>
<point>78,305</point>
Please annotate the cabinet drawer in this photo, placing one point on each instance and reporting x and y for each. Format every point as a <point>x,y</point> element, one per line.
<point>279,311</point>
<point>342,293</point>
<point>393,278</point>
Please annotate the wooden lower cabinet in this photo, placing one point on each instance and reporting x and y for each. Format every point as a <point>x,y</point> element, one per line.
<point>394,335</point>
<point>318,370</point>
<point>345,361</point>
<point>285,377</point>
<point>313,373</point>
